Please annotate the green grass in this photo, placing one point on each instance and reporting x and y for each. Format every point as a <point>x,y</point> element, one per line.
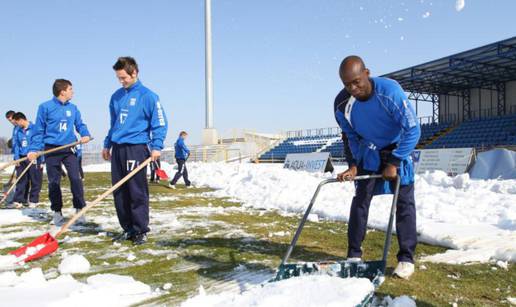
<point>207,246</point>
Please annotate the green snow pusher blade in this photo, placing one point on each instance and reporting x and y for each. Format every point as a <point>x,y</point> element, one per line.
<point>344,269</point>
<point>372,270</point>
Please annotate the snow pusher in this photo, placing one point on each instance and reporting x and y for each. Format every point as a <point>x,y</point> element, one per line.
<point>372,270</point>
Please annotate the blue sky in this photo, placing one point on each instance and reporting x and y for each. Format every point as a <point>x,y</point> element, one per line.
<point>275,62</point>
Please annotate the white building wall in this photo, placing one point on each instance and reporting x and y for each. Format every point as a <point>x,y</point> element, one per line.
<point>482,100</point>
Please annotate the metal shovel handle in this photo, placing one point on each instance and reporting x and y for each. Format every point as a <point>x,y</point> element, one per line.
<point>307,212</point>
<point>101,197</point>
<point>13,184</point>
<point>40,153</point>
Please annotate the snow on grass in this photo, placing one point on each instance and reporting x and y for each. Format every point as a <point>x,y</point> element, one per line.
<point>477,218</point>
<point>9,217</point>
<point>74,264</point>
<point>9,243</point>
<point>33,289</point>
<point>306,291</point>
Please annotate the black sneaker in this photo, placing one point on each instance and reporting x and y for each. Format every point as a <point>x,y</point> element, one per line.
<point>124,236</point>
<point>140,239</point>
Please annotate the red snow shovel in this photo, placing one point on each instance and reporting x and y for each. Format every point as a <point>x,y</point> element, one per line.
<point>49,242</point>
<point>161,174</point>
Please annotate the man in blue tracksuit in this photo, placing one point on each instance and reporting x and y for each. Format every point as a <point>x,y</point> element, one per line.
<point>181,152</point>
<point>32,179</point>
<point>57,122</point>
<point>382,131</point>
<point>138,123</point>
<point>9,116</point>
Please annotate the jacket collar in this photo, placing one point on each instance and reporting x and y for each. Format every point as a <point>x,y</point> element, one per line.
<point>136,85</point>
<point>59,101</point>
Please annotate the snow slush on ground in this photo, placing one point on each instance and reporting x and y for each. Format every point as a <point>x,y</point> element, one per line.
<point>475,218</point>
<point>309,291</point>
<point>32,288</point>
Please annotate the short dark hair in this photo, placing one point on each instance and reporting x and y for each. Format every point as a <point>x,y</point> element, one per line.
<point>351,59</point>
<point>126,63</point>
<point>183,133</point>
<point>19,115</point>
<point>60,85</point>
<point>9,114</point>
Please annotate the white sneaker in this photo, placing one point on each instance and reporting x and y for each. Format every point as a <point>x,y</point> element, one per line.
<point>354,259</point>
<point>33,205</point>
<point>189,187</point>
<point>172,186</point>
<point>81,219</point>
<point>10,206</point>
<point>17,205</point>
<point>404,270</point>
<point>58,218</point>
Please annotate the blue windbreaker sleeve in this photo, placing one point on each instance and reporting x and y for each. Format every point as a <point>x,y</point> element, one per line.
<point>80,126</point>
<point>12,140</point>
<point>39,130</point>
<point>158,123</point>
<point>107,140</point>
<point>353,140</point>
<point>16,148</point>
<point>403,112</point>
<point>184,147</point>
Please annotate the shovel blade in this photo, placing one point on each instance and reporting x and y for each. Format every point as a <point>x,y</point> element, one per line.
<point>344,269</point>
<point>161,174</point>
<point>50,246</point>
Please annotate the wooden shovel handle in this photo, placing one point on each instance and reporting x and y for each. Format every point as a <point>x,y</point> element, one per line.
<point>15,182</point>
<point>101,197</point>
<point>40,153</point>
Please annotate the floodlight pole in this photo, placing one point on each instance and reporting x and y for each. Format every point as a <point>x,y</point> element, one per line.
<point>209,133</point>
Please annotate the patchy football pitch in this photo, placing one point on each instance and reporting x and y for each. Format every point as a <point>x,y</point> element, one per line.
<point>199,240</point>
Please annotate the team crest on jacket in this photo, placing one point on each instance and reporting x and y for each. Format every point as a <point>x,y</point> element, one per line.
<point>132,101</point>
<point>68,113</point>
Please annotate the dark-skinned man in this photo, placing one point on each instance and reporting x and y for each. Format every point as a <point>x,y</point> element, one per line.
<point>382,130</point>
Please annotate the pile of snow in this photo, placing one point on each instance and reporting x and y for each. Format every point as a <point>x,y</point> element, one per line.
<point>320,290</point>
<point>9,217</point>
<point>493,164</point>
<point>11,261</point>
<point>74,264</point>
<point>477,218</point>
<point>33,289</point>
<point>400,301</point>
<point>97,168</point>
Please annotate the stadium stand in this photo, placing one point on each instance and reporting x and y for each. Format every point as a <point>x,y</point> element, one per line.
<point>480,133</point>
<point>299,144</point>
<point>485,133</point>
<point>472,96</point>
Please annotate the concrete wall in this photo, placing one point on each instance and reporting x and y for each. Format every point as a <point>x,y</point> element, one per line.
<point>482,102</point>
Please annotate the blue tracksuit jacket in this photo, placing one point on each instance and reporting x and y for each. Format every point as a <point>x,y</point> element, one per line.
<point>182,152</point>
<point>15,129</point>
<point>56,124</point>
<point>386,118</point>
<point>137,117</point>
<point>22,140</point>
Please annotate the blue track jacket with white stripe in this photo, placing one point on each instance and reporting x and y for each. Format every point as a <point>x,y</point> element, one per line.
<point>386,118</point>
<point>137,117</point>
